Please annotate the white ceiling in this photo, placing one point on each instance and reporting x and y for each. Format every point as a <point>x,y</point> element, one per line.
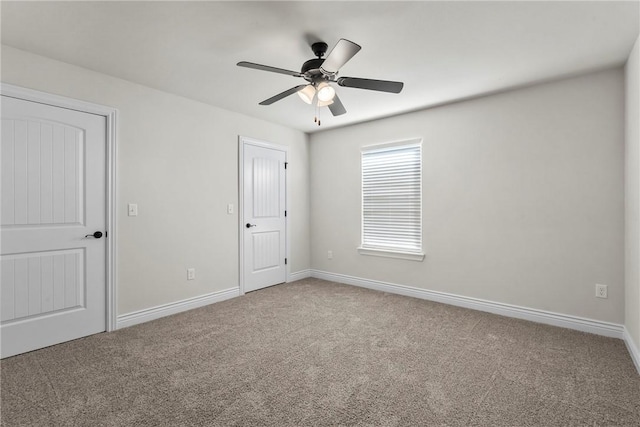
<point>442,51</point>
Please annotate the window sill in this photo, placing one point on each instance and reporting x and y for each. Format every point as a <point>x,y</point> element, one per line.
<point>411,256</point>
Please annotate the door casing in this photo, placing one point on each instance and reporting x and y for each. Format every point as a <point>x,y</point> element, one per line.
<point>111,115</point>
<point>242,141</point>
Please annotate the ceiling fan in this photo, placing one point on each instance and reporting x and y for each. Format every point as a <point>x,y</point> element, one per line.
<point>320,73</point>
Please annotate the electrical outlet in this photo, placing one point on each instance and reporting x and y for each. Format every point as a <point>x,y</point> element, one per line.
<point>601,291</point>
<point>329,254</point>
<point>191,273</point>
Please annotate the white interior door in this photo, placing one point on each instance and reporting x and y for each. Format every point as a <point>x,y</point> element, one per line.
<point>53,195</point>
<point>264,205</point>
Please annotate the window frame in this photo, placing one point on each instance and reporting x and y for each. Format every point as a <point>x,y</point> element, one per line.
<point>381,251</point>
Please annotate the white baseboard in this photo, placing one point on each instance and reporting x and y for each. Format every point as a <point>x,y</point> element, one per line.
<point>633,349</point>
<point>299,275</point>
<point>540,316</point>
<point>159,311</point>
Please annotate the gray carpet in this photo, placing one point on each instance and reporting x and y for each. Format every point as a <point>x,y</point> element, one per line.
<point>319,353</point>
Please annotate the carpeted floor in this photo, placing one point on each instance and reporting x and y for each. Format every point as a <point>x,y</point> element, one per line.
<point>318,353</point>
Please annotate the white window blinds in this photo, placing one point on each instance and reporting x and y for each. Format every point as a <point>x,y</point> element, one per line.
<point>392,197</point>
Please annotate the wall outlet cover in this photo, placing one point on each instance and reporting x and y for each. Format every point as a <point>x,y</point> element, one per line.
<point>601,291</point>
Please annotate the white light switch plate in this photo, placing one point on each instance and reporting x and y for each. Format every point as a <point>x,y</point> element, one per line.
<point>133,209</point>
<point>230,208</point>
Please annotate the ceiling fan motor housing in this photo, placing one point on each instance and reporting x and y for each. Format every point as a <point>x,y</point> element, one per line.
<point>312,67</point>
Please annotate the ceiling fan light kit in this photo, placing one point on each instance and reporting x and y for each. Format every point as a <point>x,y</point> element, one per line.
<point>325,103</point>
<point>320,72</point>
<point>307,93</point>
<point>325,92</point>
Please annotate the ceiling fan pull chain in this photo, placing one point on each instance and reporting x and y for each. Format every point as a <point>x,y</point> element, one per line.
<point>316,119</point>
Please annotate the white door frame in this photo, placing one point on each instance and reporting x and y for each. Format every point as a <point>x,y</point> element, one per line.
<point>242,141</point>
<point>111,115</point>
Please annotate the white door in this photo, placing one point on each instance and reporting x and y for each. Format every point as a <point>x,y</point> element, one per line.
<point>53,195</point>
<point>264,228</point>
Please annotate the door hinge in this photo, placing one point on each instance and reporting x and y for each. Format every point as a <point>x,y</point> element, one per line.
<point>285,261</point>
<point>285,213</point>
<point>285,164</point>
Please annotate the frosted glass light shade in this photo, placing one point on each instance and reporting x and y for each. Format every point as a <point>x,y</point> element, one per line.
<point>325,92</point>
<point>324,103</point>
<point>307,93</point>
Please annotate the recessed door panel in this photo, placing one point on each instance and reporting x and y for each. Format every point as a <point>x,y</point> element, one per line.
<point>42,173</point>
<point>266,187</point>
<point>40,283</point>
<point>266,250</point>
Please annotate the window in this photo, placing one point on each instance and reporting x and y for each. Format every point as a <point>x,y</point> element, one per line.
<point>392,200</point>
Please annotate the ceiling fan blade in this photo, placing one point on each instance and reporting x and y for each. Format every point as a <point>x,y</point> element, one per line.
<point>284,94</point>
<point>379,85</point>
<point>336,107</point>
<point>342,52</point>
<point>268,68</point>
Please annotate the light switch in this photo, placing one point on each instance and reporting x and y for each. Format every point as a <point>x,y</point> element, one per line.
<point>133,209</point>
<point>230,208</point>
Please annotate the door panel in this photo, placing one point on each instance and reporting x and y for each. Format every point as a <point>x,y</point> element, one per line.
<point>266,189</point>
<point>266,250</point>
<point>264,210</point>
<point>53,194</point>
<point>43,184</point>
<point>41,282</point>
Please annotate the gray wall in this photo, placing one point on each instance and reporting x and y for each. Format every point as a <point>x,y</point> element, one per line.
<point>523,192</point>
<point>523,197</point>
<point>178,160</point>
<point>632,188</point>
